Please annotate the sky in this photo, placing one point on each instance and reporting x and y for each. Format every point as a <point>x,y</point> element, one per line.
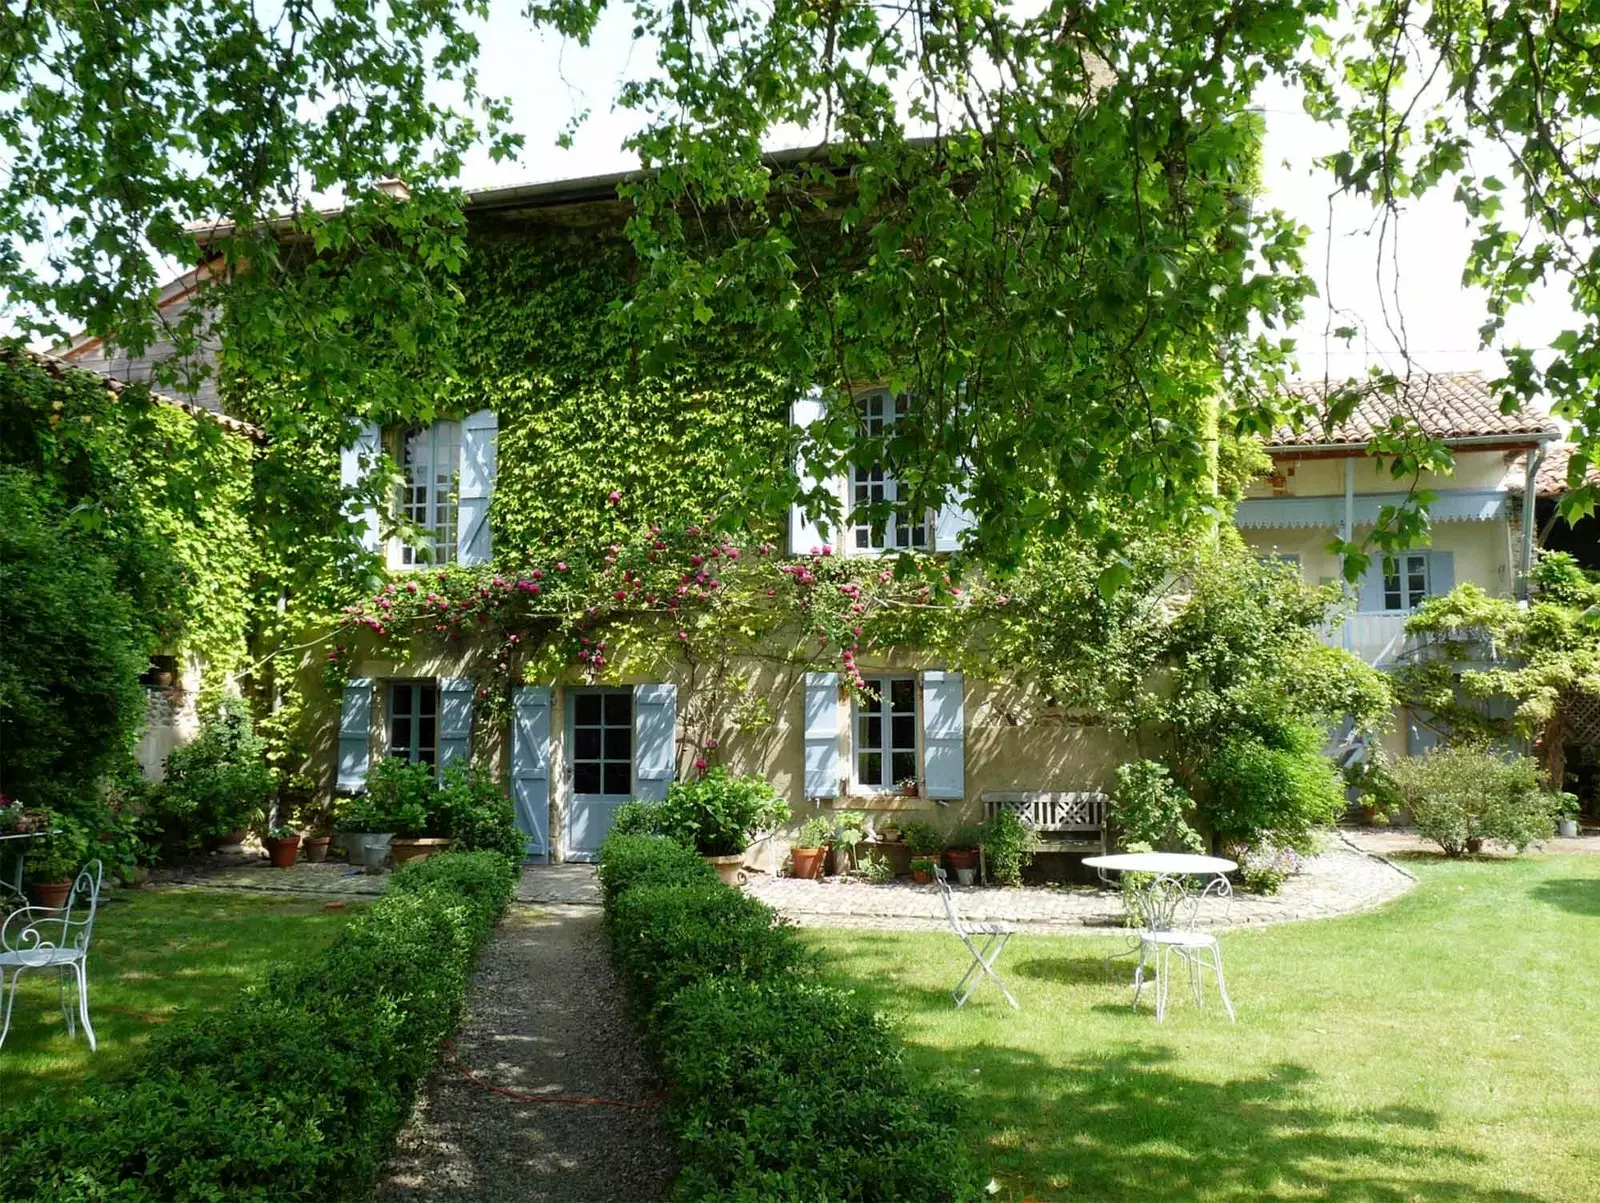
<point>547,82</point>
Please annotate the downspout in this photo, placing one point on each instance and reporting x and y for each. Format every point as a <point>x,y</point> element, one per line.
<point>1347,534</point>
<point>1529,515</point>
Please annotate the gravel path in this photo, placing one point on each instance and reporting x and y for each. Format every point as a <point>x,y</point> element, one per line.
<point>545,1015</point>
<point>1342,880</point>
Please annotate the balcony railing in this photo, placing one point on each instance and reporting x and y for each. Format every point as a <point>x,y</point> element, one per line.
<point>1380,639</point>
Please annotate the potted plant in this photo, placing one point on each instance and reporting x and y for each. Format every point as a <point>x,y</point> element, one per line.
<point>217,785</point>
<point>922,868</point>
<point>890,833</point>
<point>850,828</point>
<point>407,798</point>
<point>810,848</point>
<point>363,826</point>
<point>52,860</point>
<point>922,839</point>
<point>283,846</point>
<point>1567,825</point>
<point>961,852</point>
<point>910,787</point>
<point>718,815</point>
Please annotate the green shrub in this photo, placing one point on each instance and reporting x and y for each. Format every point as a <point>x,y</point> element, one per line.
<point>477,813</point>
<point>1468,793</point>
<point>1151,810</point>
<point>1007,847</point>
<point>637,818</point>
<point>781,1088</point>
<point>666,937</point>
<point>815,832</point>
<point>796,1090</point>
<point>58,854</point>
<point>630,860</point>
<point>70,654</point>
<point>219,782</point>
<point>1281,790</point>
<point>297,1090</point>
<point>716,814</point>
<point>922,838</point>
<point>403,798</point>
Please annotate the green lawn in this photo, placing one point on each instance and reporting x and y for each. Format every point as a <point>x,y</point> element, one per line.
<point>1444,1047</point>
<point>153,952</point>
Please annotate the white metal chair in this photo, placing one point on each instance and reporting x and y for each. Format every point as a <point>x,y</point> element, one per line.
<point>1169,912</point>
<point>996,935</point>
<point>44,937</point>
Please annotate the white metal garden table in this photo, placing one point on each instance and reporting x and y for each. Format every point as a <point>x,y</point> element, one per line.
<point>1165,906</point>
<point>13,884</point>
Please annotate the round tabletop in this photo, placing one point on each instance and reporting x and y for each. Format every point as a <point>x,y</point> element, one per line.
<point>1161,862</point>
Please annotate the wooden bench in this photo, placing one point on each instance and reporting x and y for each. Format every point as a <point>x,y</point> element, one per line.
<point>1062,820</point>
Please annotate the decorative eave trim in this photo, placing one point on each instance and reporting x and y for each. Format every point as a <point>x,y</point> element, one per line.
<point>1288,513</point>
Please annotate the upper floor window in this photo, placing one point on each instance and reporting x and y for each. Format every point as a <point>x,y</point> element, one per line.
<point>414,721</point>
<point>1405,581</point>
<point>886,733</point>
<point>890,529</point>
<point>429,459</point>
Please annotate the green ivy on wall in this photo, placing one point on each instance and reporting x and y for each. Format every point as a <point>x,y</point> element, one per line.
<point>165,493</point>
<point>581,418</point>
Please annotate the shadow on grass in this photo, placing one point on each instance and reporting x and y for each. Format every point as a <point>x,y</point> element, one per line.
<point>1128,1125</point>
<point>1580,896</point>
<point>1068,971</point>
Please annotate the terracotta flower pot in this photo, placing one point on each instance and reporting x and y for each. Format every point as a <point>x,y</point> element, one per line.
<point>404,849</point>
<point>50,893</point>
<point>729,868</point>
<point>961,858</point>
<point>284,852</point>
<point>316,847</point>
<point>921,876</point>
<point>808,862</point>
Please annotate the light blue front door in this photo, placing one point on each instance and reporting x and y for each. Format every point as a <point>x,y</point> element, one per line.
<point>599,765</point>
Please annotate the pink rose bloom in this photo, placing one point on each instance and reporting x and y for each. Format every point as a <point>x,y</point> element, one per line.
<point>561,565</point>
<point>700,764</point>
<point>614,497</point>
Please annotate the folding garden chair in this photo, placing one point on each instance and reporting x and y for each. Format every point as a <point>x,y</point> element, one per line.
<point>45,937</point>
<point>983,959</point>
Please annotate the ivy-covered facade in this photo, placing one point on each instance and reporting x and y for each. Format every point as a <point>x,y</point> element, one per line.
<point>584,588</point>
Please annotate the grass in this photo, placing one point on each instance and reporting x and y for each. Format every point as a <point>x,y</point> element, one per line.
<point>154,952</point>
<point>1442,1047</point>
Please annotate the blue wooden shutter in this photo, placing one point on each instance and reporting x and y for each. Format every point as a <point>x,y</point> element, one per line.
<point>944,759</point>
<point>474,487</point>
<point>822,735</point>
<point>355,735</point>
<point>530,764</point>
<point>455,721</point>
<point>806,533</point>
<point>354,463</point>
<point>1441,572</point>
<point>655,733</point>
<point>1369,598</point>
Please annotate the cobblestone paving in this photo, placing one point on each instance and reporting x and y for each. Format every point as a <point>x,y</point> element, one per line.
<point>1342,880</point>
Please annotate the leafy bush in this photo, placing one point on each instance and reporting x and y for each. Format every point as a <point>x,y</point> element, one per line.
<point>666,937</point>
<point>716,814</point>
<point>1465,793</point>
<point>478,815</point>
<point>1151,810</point>
<point>1283,789</point>
<point>966,837</point>
<point>815,832</point>
<point>297,1090</point>
<point>403,798</point>
<point>218,783</point>
<point>58,854</point>
<point>70,655</point>
<point>780,1087</point>
<point>630,860</point>
<point>1264,870</point>
<point>1007,847</point>
<point>922,838</point>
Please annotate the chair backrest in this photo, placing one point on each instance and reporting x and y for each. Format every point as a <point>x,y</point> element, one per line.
<point>949,901</point>
<point>1173,904</point>
<point>69,926</point>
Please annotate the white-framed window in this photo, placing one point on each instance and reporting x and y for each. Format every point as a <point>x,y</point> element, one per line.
<point>429,459</point>
<point>1405,581</point>
<point>886,733</point>
<point>414,721</point>
<point>898,531</point>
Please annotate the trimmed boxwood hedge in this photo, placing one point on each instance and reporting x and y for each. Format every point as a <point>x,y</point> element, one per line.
<point>297,1090</point>
<point>780,1087</point>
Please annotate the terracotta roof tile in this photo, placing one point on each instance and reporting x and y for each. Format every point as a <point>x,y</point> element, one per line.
<point>1552,478</point>
<point>1456,406</point>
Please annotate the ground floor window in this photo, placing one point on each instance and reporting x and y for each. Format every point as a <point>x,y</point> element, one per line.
<point>886,732</point>
<point>414,721</point>
<point>602,742</point>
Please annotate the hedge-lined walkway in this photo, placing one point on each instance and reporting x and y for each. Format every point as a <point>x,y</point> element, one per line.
<point>545,1016</point>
